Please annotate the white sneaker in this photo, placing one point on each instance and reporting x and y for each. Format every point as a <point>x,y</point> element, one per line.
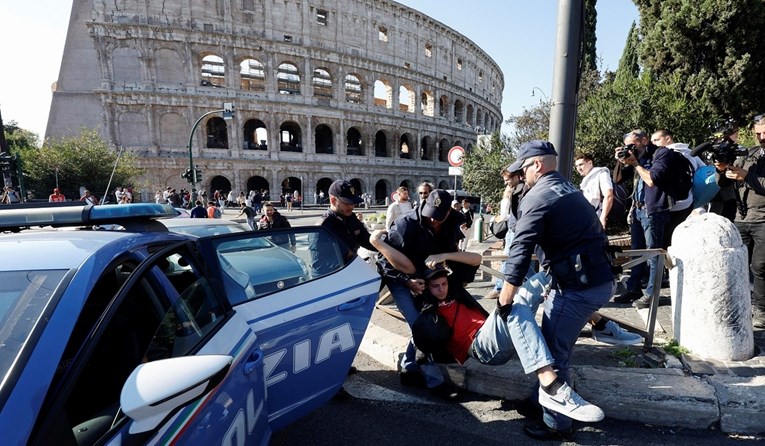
<point>569,403</point>
<point>616,335</point>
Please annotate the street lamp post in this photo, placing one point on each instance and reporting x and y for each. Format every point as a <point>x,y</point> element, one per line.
<point>541,91</point>
<point>192,173</point>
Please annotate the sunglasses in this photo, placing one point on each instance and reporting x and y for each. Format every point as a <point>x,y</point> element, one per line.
<point>423,193</point>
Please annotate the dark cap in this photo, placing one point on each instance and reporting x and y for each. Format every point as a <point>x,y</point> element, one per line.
<point>438,205</point>
<point>439,270</point>
<point>530,150</point>
<point>345,192</point>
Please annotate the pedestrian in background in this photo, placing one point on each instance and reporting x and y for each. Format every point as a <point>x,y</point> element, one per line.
<point>56,196</point>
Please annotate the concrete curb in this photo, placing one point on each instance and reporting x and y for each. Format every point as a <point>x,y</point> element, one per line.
<point>662,397</point>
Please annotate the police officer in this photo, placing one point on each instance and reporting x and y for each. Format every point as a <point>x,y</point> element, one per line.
<point>555,216</point>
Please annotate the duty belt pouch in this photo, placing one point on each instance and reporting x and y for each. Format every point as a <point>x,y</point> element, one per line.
<point>570,272</point>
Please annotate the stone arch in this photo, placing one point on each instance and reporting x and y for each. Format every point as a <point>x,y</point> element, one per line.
<point>217,133</point>
<point>354,90</point>
<point>213,71</point>
<point>322,83</point>
<point>172,130</point>
<point>288,79</point>
<point>290,185</point>
<point>470,117</point>
<point>382,190</point>
<point>383,94</point>
<point>443,106</point>
<point>458,112</point>
<point>426,148</point>
<point>322,185</point>
<point>427,103</point>
<point>358,185</point>
<point>354,142</point>
<point>133,129</point>
<point>407,147</point>
<point>252,75</point>
<point>218,182</point>
<point>381,144</point>
<point>255,135</point>
<point>169,68</point>
<point>323,139</point>
<point>443,184</point>
<point>406,98</point>
<point>126,65</point>
<point>443,149</point>
<point>257,183</point>
<point>290,137</point>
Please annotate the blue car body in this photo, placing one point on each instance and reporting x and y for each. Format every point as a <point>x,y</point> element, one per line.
<point>143,336</point>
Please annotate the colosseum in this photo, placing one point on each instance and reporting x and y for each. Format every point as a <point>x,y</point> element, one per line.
<point>367,90</point>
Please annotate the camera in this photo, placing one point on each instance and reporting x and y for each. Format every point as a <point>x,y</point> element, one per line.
<point>719,150</point>
<point>626,151</point>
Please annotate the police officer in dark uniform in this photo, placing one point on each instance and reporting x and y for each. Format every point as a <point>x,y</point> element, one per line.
<point>342,222</point>
<point>555,216</point>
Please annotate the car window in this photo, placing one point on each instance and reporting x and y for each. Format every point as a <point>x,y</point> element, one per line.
<point>257,264</point>
<point>24,295</point>
<point>165,309</point>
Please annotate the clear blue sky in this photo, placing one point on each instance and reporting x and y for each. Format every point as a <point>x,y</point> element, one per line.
<point>518,34</point>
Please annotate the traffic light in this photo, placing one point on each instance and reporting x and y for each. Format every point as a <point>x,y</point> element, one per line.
<point>197,175</point>
<point>187,175</point>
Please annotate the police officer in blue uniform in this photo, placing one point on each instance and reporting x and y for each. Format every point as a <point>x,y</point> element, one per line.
<point>555,217</point>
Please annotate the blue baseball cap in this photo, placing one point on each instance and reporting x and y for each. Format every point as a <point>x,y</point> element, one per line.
<point>530,150</point>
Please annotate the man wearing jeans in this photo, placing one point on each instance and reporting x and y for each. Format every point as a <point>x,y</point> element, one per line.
<point>650,214</point>
<point>750,220</point>
<point>555,216</point>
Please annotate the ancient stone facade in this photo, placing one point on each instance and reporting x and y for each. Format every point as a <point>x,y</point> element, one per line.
<point>367,90</point>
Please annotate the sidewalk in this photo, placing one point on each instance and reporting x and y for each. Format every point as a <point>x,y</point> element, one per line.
<point>628,384</point>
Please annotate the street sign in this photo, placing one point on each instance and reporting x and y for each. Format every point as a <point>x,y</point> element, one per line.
<point>455,170</point>
<point>455,156</point>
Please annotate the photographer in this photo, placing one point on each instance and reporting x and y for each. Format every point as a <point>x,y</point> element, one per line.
<point>721,152</point>
<point>749,176</point>
<point>649,214</point>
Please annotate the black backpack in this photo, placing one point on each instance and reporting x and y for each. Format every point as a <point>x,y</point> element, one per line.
<point>680,181</point>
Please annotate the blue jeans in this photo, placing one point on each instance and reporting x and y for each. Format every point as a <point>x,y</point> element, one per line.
<point>565,314</point>
<point>402,296</point>
<point>647,231</point>
<point>497,340</point>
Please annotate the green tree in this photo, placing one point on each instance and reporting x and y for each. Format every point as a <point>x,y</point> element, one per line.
<point>532,123</point>
<point>82,160</point>
<point>715,47</point>
<point>18,138</point>
<point>482,166</point>
<point>589,53</point>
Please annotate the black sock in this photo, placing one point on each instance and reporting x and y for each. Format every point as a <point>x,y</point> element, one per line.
<point>601,325</point>
<point>552,389</point>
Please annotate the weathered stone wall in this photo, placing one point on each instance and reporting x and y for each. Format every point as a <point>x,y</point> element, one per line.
<point>135,71</point>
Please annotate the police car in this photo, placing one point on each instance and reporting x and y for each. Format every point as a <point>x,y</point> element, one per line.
<point>145,336</point>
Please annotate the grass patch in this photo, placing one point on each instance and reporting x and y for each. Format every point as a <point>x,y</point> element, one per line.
<point>626,357</point>
<point>674,349</point>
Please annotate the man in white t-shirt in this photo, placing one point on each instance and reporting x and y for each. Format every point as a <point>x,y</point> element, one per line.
<point>596,185</point>
<point>399,207</point>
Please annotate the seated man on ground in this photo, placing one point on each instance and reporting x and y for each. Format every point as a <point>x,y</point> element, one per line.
<point>492,338</point>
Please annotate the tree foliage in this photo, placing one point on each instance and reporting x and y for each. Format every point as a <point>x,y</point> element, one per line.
<point>714,47</point>
<point>82,160</point>
<point>533,123</point>
<point>18,138</point>
<point>482,166</point>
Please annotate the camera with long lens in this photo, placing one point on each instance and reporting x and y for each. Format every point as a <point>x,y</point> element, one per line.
<point>626,151</point>
<point>719,150</point>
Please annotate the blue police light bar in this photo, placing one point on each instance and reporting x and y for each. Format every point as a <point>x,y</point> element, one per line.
<point>15,217</point>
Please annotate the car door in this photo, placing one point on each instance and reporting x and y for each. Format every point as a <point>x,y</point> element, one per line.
<point>164,308</point>
<point>309,322</point>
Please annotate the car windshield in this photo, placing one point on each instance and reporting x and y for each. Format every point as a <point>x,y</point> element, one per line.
<point>24,295</point>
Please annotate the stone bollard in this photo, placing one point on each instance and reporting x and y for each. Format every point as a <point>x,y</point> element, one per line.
<point>711,304</point>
